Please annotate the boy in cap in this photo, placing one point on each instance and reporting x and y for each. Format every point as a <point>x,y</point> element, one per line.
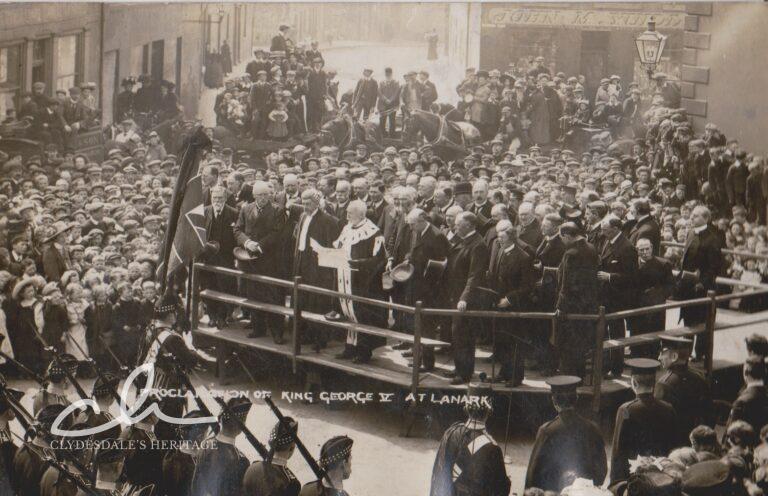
<point>220,470</point>
<point>468,460</point>
<point>567,447</point>
<point>336,460</point>
<point>273,477</point>
<point>644,426</point>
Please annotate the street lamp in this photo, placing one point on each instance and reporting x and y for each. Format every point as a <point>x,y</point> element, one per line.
<point>650,46</point>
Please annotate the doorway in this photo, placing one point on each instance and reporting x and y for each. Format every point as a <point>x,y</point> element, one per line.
<point>594,59</point>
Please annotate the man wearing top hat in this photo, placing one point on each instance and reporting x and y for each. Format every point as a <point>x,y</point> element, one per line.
<point>567,447</point>
<point>644,426</point>
<point>273,477</point>
<point>365,95</point>
<point>468,461</point>
<point>124,102</point>
<point>336,460</point>
<point>686,390</point>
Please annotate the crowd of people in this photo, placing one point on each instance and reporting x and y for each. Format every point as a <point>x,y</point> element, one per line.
<point>540,228</point>
<point>664,440</point>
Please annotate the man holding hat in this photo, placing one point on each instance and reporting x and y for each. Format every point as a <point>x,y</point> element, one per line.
<point>644,426</point>
<point>687,391</point>
<point>567,447</point>
<point>468,461</point>
<point>273,477</point>
<point>336,460</point>
<point>365,95</point>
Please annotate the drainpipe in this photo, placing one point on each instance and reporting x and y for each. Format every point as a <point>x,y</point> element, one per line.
<point>101,59</point>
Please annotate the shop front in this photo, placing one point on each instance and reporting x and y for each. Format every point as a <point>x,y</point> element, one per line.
<point>594,40</point>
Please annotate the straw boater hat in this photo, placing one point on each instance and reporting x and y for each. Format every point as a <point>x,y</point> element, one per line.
<point>58,228</point>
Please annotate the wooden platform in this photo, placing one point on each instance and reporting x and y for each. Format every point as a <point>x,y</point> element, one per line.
<point>388,365</point>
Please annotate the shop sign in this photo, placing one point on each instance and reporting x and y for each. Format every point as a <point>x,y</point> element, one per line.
<point>578,19</point>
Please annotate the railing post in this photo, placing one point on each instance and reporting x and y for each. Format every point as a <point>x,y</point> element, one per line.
<point>709,332</point>
<point>195,296</point>
<point>296,340</point>
<point>416,347</point>
<point>597,362</point>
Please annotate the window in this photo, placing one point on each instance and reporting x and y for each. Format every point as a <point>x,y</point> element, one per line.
<point>41,61</point>
<point>69,60</point>
<point>10,78</point>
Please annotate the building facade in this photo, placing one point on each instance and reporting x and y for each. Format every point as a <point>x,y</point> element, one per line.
<point>592,39</point>
<point>57,44</point>
<point>723,74</point>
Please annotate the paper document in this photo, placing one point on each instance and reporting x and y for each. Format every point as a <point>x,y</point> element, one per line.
<point>333,258</point>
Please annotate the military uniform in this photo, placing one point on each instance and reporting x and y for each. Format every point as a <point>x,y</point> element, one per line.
<point>336,450</point>
<point>644,426</point>
<point>568,446</point>
<point>469,463</point>
<point>689,395</point>
<point>270,479</point>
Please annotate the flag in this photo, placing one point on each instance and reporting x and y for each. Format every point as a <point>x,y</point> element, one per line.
<point>185,235</point>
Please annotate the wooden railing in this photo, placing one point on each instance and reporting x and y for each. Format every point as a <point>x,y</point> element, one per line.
<point>298,288</point>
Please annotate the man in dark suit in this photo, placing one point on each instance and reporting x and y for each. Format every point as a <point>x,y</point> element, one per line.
<point>530,227</point>
<point>481,206</point>
<point>547,258</point>
<point>56,256</point>
<point>365,95</point>
<point>567,447</point>
<point>339,208</point>
<point>258,64</point>
<point>751,405</point>
<point>467,264</point>
<point>511,275</point>
<point>314,225</point>
<point>426,243</point>
<point>317,90</point>
<point>618,267</point>
<point>281,42</point>
<point>645,225</point>
<point>684,389</point>
<point>596,210</point>
<point>219,221</point>
<point>258,229</point>
<point>578,291</point>
<point>429,92</point>
<point>654,283</point>
<point>701,255</point>
<point>377,204</point>
<point>644,426</point>
<point>389,101</point>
